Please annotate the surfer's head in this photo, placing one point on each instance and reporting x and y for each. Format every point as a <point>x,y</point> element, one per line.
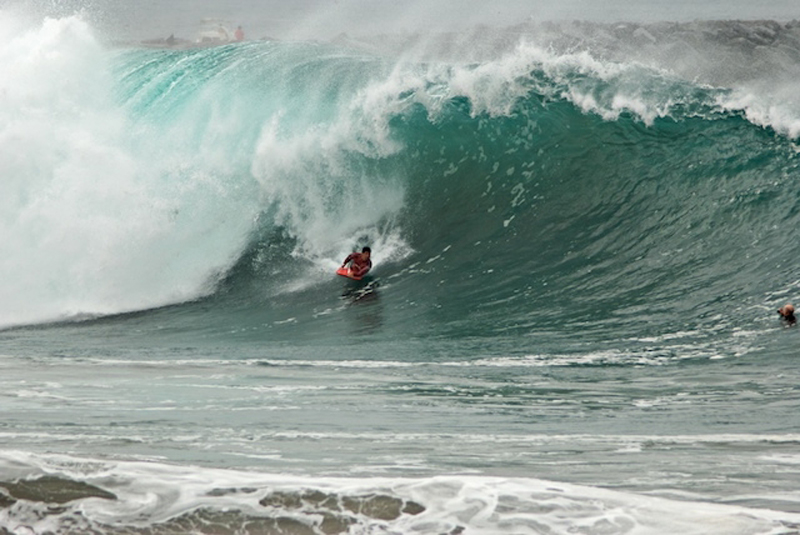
<point>786,311</point>
<point>366,251</point>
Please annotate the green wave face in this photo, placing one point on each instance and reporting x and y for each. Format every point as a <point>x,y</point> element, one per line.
<point>525,193</point>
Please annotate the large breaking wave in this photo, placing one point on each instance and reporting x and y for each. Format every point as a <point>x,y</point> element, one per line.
<point>536,181</point>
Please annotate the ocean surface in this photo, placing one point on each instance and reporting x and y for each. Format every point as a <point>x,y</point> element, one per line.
<point>581,233</point>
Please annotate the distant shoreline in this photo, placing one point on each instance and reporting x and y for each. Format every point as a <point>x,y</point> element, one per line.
<point>574,33</point>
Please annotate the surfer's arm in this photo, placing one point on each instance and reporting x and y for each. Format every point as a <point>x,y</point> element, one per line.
<point>360,271</point>
<point>348,259</point>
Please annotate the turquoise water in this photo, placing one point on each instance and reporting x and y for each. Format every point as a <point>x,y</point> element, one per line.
<point>570,326</point>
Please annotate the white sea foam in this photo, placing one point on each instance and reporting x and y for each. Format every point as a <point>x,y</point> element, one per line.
<point>647,87</point>
<point>328,205</point>
<point>89,224</point>
<point>777,108</point>
<point>595,358</point>
<point>150,493</point>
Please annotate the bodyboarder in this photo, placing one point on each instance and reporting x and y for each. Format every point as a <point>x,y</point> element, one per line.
<point>360,263</point>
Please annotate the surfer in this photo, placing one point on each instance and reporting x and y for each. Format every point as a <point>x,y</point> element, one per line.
<point>359,262</point>
<point>787,314</point>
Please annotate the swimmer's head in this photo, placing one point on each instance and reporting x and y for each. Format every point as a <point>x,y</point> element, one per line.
<point>787,310</point>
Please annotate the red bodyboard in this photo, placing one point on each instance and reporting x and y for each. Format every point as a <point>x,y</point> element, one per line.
<point>345,272</point>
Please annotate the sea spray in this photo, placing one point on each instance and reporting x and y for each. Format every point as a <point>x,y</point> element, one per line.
<point>92,223</point>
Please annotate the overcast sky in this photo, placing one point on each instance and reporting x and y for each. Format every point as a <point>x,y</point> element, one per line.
<point>323,19</point>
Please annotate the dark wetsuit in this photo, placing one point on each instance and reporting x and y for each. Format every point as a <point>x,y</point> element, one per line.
<point>359,266</point>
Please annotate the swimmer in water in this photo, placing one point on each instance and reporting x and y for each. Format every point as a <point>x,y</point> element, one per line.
<point>787,314</point>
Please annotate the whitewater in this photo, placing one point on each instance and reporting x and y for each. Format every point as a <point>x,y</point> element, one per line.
<point>581,232</point>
